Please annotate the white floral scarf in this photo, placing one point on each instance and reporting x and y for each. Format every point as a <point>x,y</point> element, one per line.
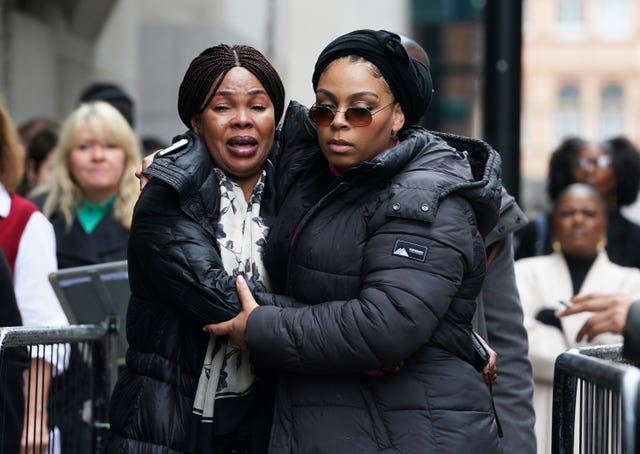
<point>241,235</point>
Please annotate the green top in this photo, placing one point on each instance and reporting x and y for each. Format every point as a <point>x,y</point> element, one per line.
<point>90,214</point>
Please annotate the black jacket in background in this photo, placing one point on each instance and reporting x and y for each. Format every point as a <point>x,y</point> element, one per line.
<point>14,361</point>
<point>74,247</point>
<point>631,348</point>
<point>499,319</point>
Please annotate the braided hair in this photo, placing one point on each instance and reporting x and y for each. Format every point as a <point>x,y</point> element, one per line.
<point>212,65</point>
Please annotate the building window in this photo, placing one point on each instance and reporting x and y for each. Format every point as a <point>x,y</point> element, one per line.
<point>611,114</point>
<point>614,19</point>
<point>570,19</point>
<point>568,111</point>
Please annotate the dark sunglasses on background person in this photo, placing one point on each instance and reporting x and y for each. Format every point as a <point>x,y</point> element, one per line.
<point>601,162</point>
<point>355,116</point>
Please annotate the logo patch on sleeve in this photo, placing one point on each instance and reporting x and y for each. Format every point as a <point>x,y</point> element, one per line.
<point>411,251</point>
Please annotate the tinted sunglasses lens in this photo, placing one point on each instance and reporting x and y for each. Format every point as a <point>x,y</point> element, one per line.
<point>358,116</point>
<point>322,116</point>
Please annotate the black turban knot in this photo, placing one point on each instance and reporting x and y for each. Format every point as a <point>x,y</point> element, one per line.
<point>409,80</point>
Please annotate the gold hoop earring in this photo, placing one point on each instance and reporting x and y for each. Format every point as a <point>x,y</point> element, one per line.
<point>556,246</point>
<point>394,135</point>
<point>602,244</point>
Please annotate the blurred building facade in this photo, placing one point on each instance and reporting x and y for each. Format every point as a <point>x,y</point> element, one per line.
<point>581,76</point>
<point>580,59</point>
<point>50,50</point>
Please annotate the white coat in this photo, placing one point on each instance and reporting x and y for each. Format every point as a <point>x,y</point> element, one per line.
<point>542,282</point>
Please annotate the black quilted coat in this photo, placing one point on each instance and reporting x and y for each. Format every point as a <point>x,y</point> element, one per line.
<point>393,249</point>
<point>178,285</point>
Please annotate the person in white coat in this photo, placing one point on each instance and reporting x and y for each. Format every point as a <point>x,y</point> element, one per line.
<point>578,266</point>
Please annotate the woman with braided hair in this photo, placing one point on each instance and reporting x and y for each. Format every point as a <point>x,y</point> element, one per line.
<point>200,221</point>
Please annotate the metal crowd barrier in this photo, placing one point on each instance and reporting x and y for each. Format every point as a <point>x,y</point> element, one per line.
<point>595,402</point>
<point>55,385</point>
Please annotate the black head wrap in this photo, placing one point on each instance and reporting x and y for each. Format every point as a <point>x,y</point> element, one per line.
<point>409,80</point>
<point>212,65</point>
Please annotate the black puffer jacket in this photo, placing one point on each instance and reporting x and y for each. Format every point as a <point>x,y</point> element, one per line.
<point>178,284</point>
<point>394,251</point>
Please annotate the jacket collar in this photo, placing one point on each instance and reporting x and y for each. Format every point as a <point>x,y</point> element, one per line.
<point>189,170</point>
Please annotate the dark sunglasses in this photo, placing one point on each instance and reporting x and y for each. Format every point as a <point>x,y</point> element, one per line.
<point>355,116</point>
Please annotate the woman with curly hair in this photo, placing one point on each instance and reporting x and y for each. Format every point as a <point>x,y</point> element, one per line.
<point>612,167</point>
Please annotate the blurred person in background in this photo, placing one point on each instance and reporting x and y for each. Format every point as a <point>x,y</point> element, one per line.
<point>89,200</point>
<point>27,242</point>
<point>93,189</point>
<point>611,313</point>
<point>613,169</point>
<point>578,266</point>
<point>151,144</point>
<point>39,162</point>
<point>28,129</point>
<point>15,361</point>
<point>499,317</point>
<point>113,94</point>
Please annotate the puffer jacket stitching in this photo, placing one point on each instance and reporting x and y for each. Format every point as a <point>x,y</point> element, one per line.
<point>489,189</point>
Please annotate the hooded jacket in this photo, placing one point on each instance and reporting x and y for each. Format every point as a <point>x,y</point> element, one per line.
<point>389,258</point>
<point>178,284</point>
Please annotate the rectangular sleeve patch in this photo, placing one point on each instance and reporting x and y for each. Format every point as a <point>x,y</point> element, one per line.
<point>411,251</point>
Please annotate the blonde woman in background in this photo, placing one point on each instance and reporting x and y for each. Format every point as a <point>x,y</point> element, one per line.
<point>89,200</point>
<point>93,189</point>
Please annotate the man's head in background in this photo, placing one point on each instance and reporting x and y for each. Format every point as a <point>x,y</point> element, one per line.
<point>415,50</point>
<point>112,94</point>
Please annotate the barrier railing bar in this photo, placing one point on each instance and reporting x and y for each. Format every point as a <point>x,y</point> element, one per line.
<point>609,401</point>
<point>23,335</point>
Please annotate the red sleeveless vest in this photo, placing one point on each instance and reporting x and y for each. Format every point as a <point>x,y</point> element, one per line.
<point>12,227</point>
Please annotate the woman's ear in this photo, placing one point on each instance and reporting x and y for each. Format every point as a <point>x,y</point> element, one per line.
<point>195,124</point>
<point>398,117</point>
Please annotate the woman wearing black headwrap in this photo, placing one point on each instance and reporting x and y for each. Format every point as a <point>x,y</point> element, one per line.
<point>379,237</point>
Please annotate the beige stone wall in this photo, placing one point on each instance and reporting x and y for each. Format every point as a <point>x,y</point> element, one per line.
<point>590,61</point>
<point>146,45</point>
